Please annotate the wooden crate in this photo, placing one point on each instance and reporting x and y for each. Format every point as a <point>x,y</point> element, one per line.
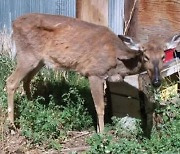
<point>124,97</point>
<point>125,100</point>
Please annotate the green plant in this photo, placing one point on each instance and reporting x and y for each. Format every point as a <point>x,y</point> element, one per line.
<point>62,108</point>
<point>74,115</point>
<point>6,66</point>
<point>164,139</point>
<point>38,122</point>
<point>116,139</point>
<point>46,123</point>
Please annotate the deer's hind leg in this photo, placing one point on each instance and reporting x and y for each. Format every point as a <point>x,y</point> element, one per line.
<point>24,66</point>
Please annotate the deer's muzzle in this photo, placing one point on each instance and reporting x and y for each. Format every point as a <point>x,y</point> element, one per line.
<point>156,80</point>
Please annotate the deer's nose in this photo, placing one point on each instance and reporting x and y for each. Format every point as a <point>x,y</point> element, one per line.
<point>156,83</point>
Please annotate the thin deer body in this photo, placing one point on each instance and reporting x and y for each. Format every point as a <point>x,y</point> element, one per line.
<point>94,51</point>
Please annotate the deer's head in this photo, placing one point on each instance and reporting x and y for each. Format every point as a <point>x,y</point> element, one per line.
<point>153,54</point>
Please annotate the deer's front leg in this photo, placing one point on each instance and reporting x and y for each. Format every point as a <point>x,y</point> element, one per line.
<point>96,85</point>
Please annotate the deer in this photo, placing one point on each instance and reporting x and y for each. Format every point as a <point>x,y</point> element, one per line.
<point>94,51</point>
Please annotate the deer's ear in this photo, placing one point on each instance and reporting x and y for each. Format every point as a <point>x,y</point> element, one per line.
<point>173,43</point>
<point>128,41</point>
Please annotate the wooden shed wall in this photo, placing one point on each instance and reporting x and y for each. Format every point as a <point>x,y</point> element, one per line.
<point>155,17</point>
<point>94,11</point>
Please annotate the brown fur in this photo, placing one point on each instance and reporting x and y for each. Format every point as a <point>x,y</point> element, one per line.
<point>66,43</point>
<point>88,43</point>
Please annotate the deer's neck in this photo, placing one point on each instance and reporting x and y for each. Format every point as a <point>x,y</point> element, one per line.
<point>133,65</point>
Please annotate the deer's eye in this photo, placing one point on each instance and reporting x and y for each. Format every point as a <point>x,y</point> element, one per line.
<point>146,58</point>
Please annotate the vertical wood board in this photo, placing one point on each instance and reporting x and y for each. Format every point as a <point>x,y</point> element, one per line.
<point>155,17</point>
<point>94,11</point>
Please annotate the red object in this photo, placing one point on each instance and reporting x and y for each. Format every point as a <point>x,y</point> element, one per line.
<point>169,55</point>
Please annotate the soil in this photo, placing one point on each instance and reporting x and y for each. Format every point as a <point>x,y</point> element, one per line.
<point>14,143</point>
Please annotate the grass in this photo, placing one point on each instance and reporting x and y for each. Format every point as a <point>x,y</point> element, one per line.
<point>57,107</point>
<point>62,102</point>
<point>165,136</point>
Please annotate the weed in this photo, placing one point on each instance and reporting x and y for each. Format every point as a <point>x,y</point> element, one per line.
<point>46,121</point>
<point>74,115</point>
<point>59,105</point>
<point>164,139</point>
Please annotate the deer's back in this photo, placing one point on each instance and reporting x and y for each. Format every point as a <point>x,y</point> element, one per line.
<point>64,42</point>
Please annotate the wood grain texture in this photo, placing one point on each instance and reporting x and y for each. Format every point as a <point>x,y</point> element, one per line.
<point>94,11</point>
<point>156,17</point>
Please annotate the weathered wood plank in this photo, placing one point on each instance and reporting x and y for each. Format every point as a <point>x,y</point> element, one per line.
<point>94,11</point>
<point>155,17</point>
<point>123,106</point>
<point>125,89</point>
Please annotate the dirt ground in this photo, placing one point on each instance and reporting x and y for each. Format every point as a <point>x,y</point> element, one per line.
<point>13,143</point>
